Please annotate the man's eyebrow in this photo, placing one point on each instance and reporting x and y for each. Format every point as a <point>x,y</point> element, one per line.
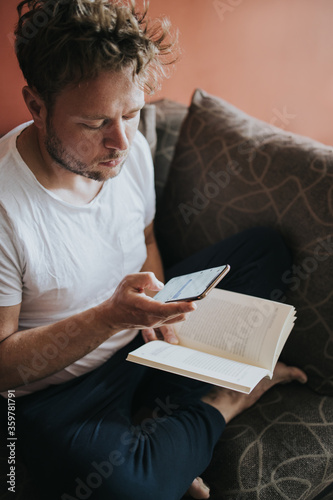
<point>105,117</point>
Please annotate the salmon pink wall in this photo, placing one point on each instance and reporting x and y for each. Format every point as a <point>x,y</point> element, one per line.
<point>12,108</point>
<point>271,58</point>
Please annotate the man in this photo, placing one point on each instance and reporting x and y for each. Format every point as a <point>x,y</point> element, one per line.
<point>79,263</point>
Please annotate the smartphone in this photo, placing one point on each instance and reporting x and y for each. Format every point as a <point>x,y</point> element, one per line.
<point>194,286</point>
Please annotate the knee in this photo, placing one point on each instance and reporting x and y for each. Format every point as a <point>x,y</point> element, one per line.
<point>275,262</point>
<point>271,242</point>
<point>265,260</point>
<point>268,235</point>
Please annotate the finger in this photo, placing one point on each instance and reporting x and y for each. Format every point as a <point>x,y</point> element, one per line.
<point>149,334</point>
<point>169,334</point>
<point>159,313</point>
<point>149,281</point>
<point>172,309</point>
<point>140,281</point>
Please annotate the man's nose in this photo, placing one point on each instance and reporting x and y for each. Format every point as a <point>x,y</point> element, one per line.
<point>115,136</point>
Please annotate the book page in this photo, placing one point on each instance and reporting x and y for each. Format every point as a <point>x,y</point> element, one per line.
<point>198,365</point>
<point>237,326</point>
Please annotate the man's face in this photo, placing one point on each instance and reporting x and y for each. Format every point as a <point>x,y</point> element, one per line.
<point>92,126</point>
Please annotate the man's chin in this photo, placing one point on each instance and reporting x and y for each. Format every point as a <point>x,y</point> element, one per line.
<point>113,172</point>
<point>105,173</point>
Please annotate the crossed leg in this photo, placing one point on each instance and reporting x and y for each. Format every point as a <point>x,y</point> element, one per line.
<point>231,403</point>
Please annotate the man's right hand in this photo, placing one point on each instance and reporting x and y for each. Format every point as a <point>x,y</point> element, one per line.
<point>130,307</point>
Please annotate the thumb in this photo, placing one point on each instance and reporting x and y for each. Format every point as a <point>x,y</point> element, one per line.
<point>149,281</point>
<point>155,284</point>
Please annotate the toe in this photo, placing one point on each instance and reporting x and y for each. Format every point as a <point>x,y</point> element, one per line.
<point>198,489</point>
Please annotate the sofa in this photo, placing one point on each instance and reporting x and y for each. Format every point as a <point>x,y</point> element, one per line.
<point>219,171</point>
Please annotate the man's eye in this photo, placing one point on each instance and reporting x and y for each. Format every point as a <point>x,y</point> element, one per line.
<point>92,127</point>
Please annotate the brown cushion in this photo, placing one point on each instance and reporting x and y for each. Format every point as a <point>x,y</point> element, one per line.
<point>169,117</point>
<point>147,126</point>
<point>230,172</point>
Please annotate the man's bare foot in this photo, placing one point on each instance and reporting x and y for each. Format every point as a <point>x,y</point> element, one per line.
<point>198,489</point>
<point>231,403</point>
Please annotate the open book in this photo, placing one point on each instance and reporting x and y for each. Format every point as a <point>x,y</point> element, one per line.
<point>232,340</point>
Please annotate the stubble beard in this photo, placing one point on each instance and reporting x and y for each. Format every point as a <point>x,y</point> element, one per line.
<point>69,162</point>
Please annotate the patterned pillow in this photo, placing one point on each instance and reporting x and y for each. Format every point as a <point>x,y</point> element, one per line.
<point>230,172</point>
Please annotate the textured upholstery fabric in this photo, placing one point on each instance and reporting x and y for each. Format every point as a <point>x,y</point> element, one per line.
<point>282,448</point>
<point>169,117</point>
<point>147,126</point>
<point>231,171</point>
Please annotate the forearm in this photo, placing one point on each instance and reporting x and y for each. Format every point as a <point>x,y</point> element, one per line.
<point>62,343</point>
<point>30,355</point>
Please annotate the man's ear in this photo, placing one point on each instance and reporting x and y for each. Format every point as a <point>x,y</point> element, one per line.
<point>36,106</point>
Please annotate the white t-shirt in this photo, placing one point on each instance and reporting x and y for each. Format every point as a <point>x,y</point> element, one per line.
<point>59,259</point>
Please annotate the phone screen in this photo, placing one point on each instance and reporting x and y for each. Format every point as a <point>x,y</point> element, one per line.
<point>192,286</point>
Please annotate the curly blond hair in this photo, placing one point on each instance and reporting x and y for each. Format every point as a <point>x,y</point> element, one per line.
<point>64,42</point>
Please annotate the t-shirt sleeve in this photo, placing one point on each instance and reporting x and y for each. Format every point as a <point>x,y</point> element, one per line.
<point>10,272</point>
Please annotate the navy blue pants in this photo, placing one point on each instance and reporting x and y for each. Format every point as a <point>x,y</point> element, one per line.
<point>80,439</point>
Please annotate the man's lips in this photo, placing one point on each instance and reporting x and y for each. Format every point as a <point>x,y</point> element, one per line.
<point>112,163</point>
